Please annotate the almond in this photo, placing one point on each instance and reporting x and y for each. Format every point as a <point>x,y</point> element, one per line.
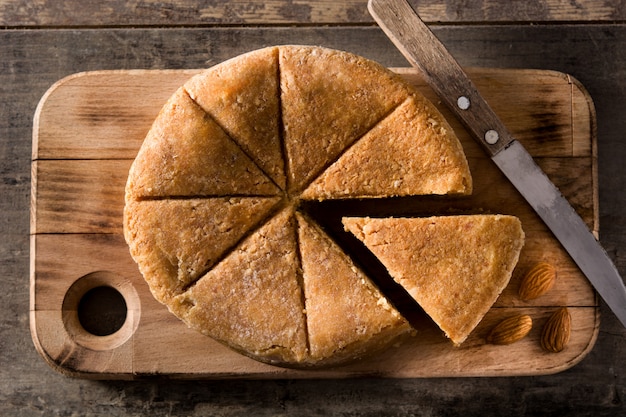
<point>510,330</point>
<point>539,279</point>
<point>556,332</point>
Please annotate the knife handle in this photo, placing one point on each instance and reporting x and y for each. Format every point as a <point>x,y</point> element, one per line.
<point>423,50</point>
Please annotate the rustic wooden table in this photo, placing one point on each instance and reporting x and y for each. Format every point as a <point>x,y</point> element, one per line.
<point>44,40</point>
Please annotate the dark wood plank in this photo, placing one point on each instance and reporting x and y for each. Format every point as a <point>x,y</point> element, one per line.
<point>33,60</point>
<point>77,13</point>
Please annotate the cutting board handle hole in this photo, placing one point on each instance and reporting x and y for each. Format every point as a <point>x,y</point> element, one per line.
<point>101,310</point>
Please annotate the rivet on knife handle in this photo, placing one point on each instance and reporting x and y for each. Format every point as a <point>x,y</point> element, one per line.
<point>441,70</point>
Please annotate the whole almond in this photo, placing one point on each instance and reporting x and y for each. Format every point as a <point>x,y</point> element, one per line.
<point>556,332</point>
<point>510,330</point>
<point>539,279</point>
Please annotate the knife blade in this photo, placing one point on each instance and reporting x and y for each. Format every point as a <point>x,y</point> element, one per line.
<point>445,76</point>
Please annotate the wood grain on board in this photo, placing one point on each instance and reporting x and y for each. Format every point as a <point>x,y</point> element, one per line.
<point>87,130</point>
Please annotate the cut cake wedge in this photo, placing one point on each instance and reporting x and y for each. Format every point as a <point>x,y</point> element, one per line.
<point>348,317</point>
<point>187,154</point>
<point>455,267</point>
<point>252,300</point>
<point>176,241</point>
<point>244,99</point>
<point>328,101</point>
<point>411,151</point>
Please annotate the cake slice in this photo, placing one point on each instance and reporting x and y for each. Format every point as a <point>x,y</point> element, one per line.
<point>252,300</point>
<point>328,101</point>
<point>175,241</point>
<point>412,151</point>
<point>186,153</point>
<point>347,316</point>
<point>242,95</point>
<point>455,267</point>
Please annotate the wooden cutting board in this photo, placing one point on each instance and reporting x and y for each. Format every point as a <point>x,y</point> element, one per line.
<point>87,130</point>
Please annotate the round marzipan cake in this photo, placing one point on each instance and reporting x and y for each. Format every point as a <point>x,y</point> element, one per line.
<point>213,215</point>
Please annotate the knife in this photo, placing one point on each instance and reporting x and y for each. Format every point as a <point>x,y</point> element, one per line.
<point>446,77</point>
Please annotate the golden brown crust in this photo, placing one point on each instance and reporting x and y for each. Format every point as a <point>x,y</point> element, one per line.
<point>327,103</point>
<point>412,151</point>
<point>347,315</point>
<point>187,154</point>
<point>174,241</point>
<point>242,96</point>
<point>252,300</point>
<point>455,267</point>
